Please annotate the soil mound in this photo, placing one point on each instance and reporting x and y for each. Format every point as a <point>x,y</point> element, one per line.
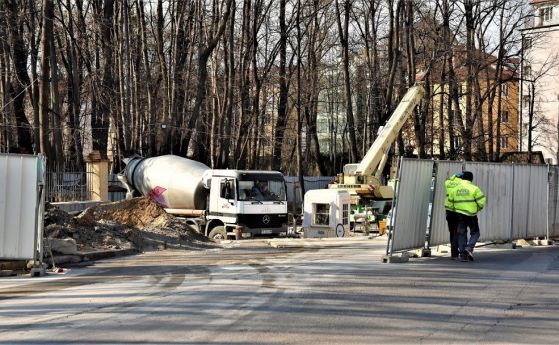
<point>137,223</point>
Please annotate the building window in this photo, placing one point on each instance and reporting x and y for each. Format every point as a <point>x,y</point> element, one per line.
<point>504,142</point>
<point>505,90</point>
<point>546,14</point>
<point>527,43</point>
<point>526,101</point>
<point>527,72</point>
<point>457,142</point>
<point>505,116</point>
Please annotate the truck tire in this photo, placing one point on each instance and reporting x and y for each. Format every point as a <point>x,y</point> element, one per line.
<point>218,233</point>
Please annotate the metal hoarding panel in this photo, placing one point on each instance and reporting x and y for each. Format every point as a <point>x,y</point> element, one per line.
<point>553,202</point>
<point>521,200</point>
<point>18,205</point>
<point>530,201</point>
<point>311,183</point>
<point>410,220</point>
<point>439,227</point>
<point>537,207</point>
<point>494,179</point>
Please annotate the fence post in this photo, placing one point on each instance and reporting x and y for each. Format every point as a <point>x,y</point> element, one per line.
<point>548,214</point>
<point>512,220</point>
<point>391,232</point>
<point>97,176</point>
<point>426,252</point>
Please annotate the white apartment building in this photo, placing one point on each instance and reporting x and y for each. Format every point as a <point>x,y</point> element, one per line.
<point>539,101</point>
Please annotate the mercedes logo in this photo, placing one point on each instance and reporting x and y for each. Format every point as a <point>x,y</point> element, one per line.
<point>266,219</point>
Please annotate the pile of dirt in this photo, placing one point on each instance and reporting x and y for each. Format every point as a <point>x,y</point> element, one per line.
<point>137,223</point>
<point>136,213</point>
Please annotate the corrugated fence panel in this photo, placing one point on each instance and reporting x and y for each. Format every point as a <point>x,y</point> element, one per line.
<point>311,183</point>
<point>18,201</point>
<point>414,189</point>
<point>494,181</point>
<point>521,186</point>
<point>537,220</point>
<point>553,202</point>
<point>439,227</point>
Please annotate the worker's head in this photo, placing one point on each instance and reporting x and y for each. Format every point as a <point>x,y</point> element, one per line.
<point>468,175</point>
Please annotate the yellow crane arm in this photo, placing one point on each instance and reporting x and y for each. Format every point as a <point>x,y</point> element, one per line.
<point>390,131</point>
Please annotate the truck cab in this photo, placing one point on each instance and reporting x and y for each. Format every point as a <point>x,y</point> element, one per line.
<point>245,204</point>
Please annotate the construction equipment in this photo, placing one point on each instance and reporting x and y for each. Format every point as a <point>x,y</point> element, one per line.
<point>326,213</point>
<point>219,203</point>
<point>363,180</point>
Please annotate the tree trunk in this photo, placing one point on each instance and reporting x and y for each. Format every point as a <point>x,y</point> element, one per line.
<point>20,84</point>
<point>344,41</point>
<point>283,90</point>
<point>46,39</point>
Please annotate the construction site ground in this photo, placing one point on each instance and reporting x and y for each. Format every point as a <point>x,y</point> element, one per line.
<point>113,229</point>
<point>328,291</point>
<point>108,230</point>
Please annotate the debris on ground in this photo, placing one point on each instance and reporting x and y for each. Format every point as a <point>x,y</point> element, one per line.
<point>137,223</point>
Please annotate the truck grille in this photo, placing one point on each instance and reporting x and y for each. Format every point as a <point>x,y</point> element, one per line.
<point>258,221</point>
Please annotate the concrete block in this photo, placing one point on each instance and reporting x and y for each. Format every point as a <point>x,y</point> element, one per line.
<point>425,252</point>
<point>67,259</point>
<point>504,245</point>
<point>63,246</point>
<point>443,249</point>
<point>393,259</point>
<point>13,265</point>
<point>7,273</point>
<point>523,242</point>
<point>38,272</point>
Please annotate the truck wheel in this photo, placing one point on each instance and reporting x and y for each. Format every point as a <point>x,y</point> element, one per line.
<point>218,233</point>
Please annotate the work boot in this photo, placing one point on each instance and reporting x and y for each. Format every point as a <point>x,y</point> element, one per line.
<point>463,257</point>
<point>469,254</point>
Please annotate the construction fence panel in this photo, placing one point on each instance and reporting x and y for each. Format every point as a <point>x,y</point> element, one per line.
<point>494,180</point>
<point>117,191</point>
<point>537,207</point>
<point>311,183</point>
<point>521,200</point>
<point>410,218</point>
<point>18,205</point>
<point>529,218</point>
<point>439,228</point>
<point>553,202</point>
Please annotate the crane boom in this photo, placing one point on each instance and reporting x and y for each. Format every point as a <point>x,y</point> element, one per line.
<point>389,132</point>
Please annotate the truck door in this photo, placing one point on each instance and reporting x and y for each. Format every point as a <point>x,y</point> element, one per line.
<point>227,204</point>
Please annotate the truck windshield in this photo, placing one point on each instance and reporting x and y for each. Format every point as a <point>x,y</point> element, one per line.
<point>262,190</point>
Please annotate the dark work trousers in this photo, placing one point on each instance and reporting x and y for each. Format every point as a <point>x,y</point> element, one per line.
<point>452,218</point>
<point>465,223</point>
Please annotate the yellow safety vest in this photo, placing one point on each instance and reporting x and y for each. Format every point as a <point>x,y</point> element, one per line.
<point>467,198</point>
<point>449,185</point>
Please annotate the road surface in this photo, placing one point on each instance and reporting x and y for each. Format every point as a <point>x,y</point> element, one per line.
<point>253,294</point>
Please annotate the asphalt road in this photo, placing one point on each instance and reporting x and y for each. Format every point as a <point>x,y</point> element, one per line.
<point>254,294</point>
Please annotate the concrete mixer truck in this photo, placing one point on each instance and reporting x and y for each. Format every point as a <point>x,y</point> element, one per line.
<point>219,203</point>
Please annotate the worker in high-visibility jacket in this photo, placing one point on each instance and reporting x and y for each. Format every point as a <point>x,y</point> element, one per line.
<point>452,217</point>
<point>467,200</point>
